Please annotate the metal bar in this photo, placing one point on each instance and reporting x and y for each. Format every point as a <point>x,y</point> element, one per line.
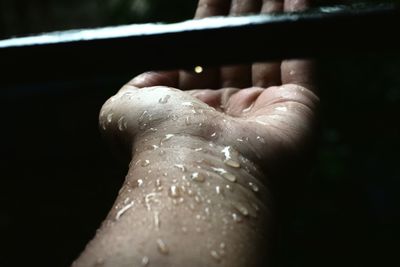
<point>329,31</point>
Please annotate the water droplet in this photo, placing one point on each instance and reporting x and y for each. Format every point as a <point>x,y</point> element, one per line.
<point>145,163</point>
<point>187,121</point>
<point>103,125</point>
<point>109,117</point>
<point>261,122</point>
<point>157,220</point>
<point>166,138</point>
<point>253,187</point>
<point>198,149</point>
<point>183,188</point>
<point>184,229</point>
<point>214,254</point>
<point>190,192</point>
<point>164,99</point>
<point>162,247</point>
<point>126,201</point>
<point>218,170</point>
<point>222,245</point>
<point>187,104</point>
<point>232,163</point>
<point>227,175</point>
<point>213,134</point>
<point>261,139</point>
<point>227,151</point>
<point>241,208</point>
<point>229,187</point>
<point>207,211</point>
<point>237,218</point>
<point>292,72</point>
<point>143,116</point>
<point>139,182</point>
<point>174,191</point>
<point>123,210</point>
<point>180,167</point>
<point>197,199</point>
<point>197,177</point>
<point>144,119</point>
<point>158,183</point>
<point>281,108</point>
<point>145,261</point>
<point>218,189</point>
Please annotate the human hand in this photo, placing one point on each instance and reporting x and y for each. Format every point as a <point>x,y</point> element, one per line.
<point>198,188</point>
<point>266,111</point>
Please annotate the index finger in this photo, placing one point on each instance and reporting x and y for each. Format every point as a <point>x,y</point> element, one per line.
<point>210,77</point>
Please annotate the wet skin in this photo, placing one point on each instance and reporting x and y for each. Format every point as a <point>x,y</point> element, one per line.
<point>197,192</point>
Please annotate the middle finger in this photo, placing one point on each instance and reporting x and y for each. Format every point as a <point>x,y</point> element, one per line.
<point>240,75</point>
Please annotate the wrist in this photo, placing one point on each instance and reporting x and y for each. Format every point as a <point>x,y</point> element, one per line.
<point>195,158</point>
<point>195,199</point>
<point>184,184</point>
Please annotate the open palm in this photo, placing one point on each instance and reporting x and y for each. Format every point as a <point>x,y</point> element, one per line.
<point>265,110</point>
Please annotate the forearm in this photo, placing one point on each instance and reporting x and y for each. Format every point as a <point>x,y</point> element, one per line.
<point>184,204</point>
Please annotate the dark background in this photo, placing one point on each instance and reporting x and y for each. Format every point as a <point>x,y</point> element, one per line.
<point>58,178</point>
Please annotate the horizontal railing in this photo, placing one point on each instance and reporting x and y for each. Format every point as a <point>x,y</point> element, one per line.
<point>330,31</point>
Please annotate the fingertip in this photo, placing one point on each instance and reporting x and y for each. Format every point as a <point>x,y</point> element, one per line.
<point>296,5</point>
<point>209,8</point>
<point>300,72</point>
<point>155,78</point>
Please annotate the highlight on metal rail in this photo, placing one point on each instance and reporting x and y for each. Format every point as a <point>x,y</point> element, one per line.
<point>325,31</point>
